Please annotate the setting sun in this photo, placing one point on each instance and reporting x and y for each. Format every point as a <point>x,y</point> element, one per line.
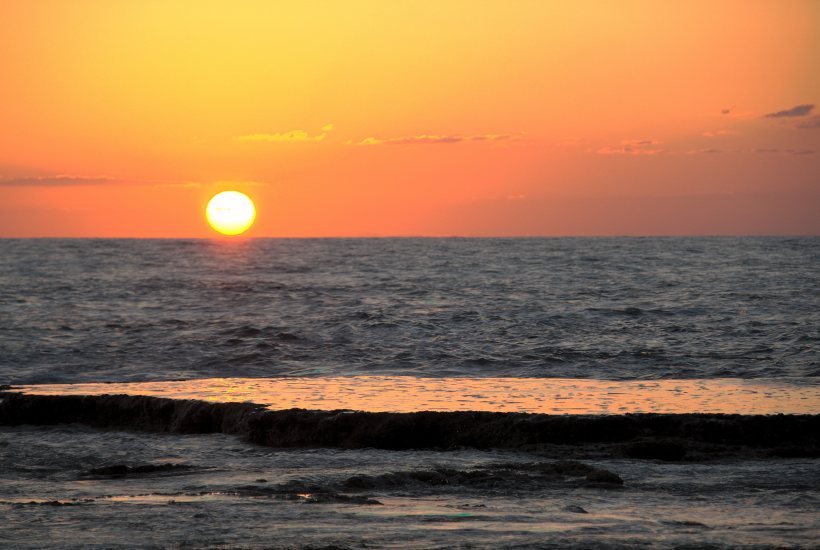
<point>230,213</point>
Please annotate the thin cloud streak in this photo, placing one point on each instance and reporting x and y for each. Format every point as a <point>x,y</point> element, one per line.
<point>294,135</point>
<point>64,181</point>
<point>722,133</point>
<point>786,151</point>
<point>800,110</point>
<point>425,139</point>
<point>86,181</point>
<point>632,147</point>
<point>810,124</point>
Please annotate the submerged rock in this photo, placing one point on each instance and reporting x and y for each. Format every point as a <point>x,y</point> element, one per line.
<point>519,475</point>
<point>604,476</point>
<point>325,498</point>
<point>122,469</point>
<point>663,449</point>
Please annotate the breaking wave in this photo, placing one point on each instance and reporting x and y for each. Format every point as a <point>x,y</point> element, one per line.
<point>643,436</point>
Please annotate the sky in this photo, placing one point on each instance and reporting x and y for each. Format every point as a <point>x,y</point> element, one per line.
<point>419,118</point>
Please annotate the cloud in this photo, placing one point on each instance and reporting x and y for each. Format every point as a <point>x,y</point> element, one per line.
<point>424,139</point>
<point>63,181</point>
<point>627,151</point>
<point>706,151</point>
<point>810,123</point>
<point>800,110</point>
<point>632,147</point>
<point>734,111</point>
<point>722,133</point>
<point>327,128</point>
<point>294,135</point>
<point>84,181</point>
<point>786,151</point>
<point>569,142</point>
<point>409,140</point>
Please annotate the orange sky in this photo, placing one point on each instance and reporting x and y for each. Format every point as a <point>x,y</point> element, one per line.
<point>122,119</point>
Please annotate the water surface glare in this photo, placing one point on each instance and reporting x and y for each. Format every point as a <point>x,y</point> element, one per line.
<point>532,395</point>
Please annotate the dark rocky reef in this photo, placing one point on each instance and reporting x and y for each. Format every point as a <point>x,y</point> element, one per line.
<point>643,436</point>
<point>120,470</point>
<point>519,475</point>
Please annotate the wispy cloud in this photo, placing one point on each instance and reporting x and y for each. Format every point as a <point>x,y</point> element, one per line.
<point>810,123</point>
<point>294,135</point>
<point>632,147</point>
<point>83,181</point>
<point>734,111</point>
<point>800,110</point>
<point>786,151</point>
<point>424,139</point>
<point>704,151</point>
<point>64,181</point>
<point>721,133</point>
<point>570,142</point>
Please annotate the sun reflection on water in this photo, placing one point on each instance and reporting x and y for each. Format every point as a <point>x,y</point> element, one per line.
<point>533,395</point>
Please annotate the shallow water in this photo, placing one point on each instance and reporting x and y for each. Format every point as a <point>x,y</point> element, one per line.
<point>598,308</point>
<point>531,395</point>
<point>221,502</point>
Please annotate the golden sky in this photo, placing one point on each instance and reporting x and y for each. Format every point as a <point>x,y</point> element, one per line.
<point>345,118</point>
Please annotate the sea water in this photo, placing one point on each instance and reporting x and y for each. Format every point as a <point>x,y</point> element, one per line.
<point>597,308</point>
<point>597,311</point>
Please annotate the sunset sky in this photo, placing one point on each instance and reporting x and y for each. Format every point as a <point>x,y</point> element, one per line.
<point>373,118</point>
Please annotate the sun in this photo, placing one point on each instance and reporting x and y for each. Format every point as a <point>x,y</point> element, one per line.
<point>230,213</point>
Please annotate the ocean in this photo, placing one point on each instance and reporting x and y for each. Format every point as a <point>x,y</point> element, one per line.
<point>599,308</point>
<point>706,314</point>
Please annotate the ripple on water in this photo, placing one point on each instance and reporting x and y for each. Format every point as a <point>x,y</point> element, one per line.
<point>600,308</point>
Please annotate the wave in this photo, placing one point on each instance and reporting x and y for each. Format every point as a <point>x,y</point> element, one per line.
<point>640,436</point>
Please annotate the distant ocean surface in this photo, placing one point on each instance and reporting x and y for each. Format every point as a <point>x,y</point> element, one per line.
<point>113,310</point>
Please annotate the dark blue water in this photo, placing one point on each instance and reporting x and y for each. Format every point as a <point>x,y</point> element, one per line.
<point>607,308</point>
